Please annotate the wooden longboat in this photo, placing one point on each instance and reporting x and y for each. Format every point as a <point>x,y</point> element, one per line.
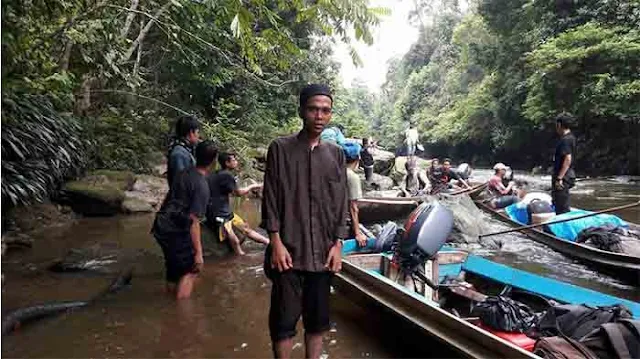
<point>435,313</point>
<point>621,266</point>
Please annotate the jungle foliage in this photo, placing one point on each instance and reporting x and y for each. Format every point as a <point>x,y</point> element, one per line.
<point>485,83</point>
<point>97,83</point>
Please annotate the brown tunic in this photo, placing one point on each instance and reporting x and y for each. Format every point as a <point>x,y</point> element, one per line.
<point>305,198</point>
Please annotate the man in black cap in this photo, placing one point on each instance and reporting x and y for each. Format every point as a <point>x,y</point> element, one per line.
<point>564,176</point>
<point>304,210</point>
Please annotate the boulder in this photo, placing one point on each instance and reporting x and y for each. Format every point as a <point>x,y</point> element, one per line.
<point>106,193</point>
<point>149,189</point>
<point>101,193</point>
<point>105,257</point>
<point>378,182</point>
<point>382,161</point>
<point>136,205</point>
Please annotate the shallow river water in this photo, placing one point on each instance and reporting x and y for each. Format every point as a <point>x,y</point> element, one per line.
<point>227,317</point>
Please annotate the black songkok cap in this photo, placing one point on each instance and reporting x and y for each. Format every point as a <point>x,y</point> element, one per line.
<point>313,90</point>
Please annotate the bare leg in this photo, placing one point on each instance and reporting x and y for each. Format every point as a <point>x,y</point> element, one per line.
<point>282,348</point>
<point>233,240</point>
<point>313,345</point>
<point>185,286</point>
<point>253,235</point>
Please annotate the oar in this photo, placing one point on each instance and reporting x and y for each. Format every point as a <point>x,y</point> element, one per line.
<point>563,220</point>
<point>469,189</point>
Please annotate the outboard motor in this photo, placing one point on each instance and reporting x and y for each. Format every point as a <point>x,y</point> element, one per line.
<point>425,232</point>
<point>464,171</point>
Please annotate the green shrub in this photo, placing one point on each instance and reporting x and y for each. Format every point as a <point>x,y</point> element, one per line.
<point>40,147</point>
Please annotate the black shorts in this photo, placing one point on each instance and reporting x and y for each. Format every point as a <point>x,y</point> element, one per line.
<point>178,257</point>
<point>295,293</point>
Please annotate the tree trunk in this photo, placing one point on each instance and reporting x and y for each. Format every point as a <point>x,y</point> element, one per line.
<point>130,17</point>
<point>144,31</point>
<point>66,55</point>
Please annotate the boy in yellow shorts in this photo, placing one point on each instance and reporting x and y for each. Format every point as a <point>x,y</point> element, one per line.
<point>222,185</point>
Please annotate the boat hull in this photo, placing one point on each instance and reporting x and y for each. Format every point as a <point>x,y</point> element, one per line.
<point>623,267</point>
<point>425,315</point>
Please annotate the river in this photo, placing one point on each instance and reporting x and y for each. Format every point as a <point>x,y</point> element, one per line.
<point>228,314</point>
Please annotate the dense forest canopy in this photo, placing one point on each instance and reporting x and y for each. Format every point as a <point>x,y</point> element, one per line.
<point>95,84</point>
<point>484,84</point>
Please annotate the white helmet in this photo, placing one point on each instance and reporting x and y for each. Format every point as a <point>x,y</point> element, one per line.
<point>500,166</point>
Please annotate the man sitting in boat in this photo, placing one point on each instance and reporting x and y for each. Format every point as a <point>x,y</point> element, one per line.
<point>415,180</point>
<point>354,187</point>
<point>501,196</point>
<point>444,176</point>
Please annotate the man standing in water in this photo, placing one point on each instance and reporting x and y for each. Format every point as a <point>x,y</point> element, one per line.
<point>180,155</point>
<point>563,174</point>
<point>304,211</point>
<point>411,139</point>
<point>177,223</point>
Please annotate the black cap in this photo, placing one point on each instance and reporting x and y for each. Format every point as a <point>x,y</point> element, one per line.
<point>313,90</point>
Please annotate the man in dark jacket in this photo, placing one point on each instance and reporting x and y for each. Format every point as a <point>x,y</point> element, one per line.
<point>304,210</point>
<point>564,176</point>
<point>180,155</point>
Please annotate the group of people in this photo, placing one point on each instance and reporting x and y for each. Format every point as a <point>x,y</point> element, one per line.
<point>309,206</point>
<point>197,195</point>
<point>434,179</point>
<point>304,211</point>
<point>505,192</point>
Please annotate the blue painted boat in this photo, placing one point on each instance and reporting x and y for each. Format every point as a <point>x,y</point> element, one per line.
<point>621,266</point>
<point>443,313</point>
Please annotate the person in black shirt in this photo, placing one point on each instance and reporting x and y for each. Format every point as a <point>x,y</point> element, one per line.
<point>563,174</point>
<point>177,223</point>
<point>220,217</point>
<point>366,159</point>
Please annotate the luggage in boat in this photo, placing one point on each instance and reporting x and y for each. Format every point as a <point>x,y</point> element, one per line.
<point>505,314</point>
<point>576,321</point>
<point>615,340</point>
<point>384,241</point>
<point>562,348</point>
<point>620,340</point>
<point>537,218</point>
<point>518,339</point>
<point>611,238</point>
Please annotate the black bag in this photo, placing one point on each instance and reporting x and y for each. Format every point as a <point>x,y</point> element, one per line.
<point>562,348</point>
<point>619,340</point>
<point>505,314</point>
<point>576,321</point>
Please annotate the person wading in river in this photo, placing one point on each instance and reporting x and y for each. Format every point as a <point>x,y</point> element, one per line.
<point>304,211</point>
<point>177,223</point>
<point>180,155</point>
<point>220,218</point>
<point>564,176</point>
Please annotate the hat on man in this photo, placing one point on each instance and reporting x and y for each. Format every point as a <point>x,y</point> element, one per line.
<point>499,166</point>
<point>313,90</point>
